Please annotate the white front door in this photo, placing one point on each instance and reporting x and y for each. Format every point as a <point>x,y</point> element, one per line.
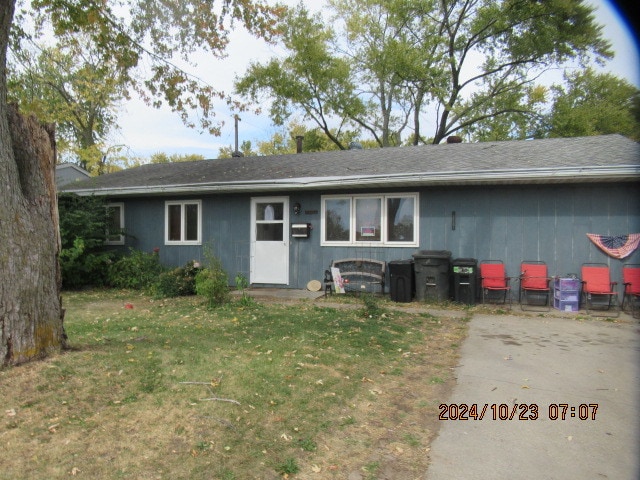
<point>270,240</point>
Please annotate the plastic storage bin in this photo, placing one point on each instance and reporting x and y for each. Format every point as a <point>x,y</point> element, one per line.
<point>566,294</point>
<point>432,268</point>
<point>401,279</point>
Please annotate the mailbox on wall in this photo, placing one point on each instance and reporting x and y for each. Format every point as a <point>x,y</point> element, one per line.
<point>301,230</point>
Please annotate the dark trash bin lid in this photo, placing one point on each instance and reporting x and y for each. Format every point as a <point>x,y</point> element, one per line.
<point>464,262</point>
<point>432,254</point>
<point>400,262</point>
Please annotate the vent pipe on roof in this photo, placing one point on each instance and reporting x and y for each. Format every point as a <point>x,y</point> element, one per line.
<point>237,153</point>
<point>299,139</point>
<point>454,139</point>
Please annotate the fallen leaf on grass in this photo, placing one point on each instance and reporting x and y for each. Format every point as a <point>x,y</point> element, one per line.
<point>11,412</point>
<point>315,469</point>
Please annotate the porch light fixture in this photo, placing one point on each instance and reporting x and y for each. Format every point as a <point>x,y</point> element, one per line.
<point>297,208</point>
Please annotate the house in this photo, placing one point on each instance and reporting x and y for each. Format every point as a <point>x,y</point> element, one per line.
<point>282,219</point>
<point>68,173</point>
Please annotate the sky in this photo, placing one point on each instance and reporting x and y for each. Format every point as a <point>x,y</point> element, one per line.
<point>145,130</point>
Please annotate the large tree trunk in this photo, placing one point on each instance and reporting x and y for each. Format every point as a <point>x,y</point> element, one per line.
<point>31,315</point>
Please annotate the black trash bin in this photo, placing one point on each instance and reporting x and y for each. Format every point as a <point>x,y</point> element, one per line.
<point>432,269</point>
<point>465,275</point>
<point>401,278</point>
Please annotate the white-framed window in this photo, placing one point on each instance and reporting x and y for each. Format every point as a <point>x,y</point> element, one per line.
<point>389,220</point>
<point>183,222</point>
<point>115,224</point>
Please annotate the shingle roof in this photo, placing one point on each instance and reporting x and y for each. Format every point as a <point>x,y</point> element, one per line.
<point>566,160</point>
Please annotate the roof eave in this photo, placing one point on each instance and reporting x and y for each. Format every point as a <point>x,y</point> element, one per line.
<point>488,177</point>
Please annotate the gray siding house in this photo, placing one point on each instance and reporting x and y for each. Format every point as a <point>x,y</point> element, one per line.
<point>281,220</point>
<point>68,173</point>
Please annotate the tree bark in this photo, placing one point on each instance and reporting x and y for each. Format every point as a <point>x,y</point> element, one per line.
<point>31,314</point>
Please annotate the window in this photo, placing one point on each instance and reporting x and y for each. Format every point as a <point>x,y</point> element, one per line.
<point>115,224</point>
<point>269,222</point>
<point>336,219</point>
<point>368,213</point>
<point>401,219</point>
<point>386,220</point>
<point>183,223</point>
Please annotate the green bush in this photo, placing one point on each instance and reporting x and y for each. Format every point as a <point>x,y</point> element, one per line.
<point>177,282</point>
<point>80,268</point>
<point>212,282</point>
<point>83,222</point>
<point>138,270</point>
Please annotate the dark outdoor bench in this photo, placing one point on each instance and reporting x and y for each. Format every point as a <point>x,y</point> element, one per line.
<point>358,275</point>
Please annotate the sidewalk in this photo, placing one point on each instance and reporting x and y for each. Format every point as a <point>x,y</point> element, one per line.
<point>534,363</point>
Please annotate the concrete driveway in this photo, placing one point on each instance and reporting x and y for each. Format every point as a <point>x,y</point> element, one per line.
<point>534,366</point>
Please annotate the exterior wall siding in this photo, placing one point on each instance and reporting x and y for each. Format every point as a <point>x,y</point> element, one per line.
<point>508,223</point>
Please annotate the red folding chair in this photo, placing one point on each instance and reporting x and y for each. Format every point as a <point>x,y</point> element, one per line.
<point>534,285</point>
<point>631,293</point>
<point>494,280</point>
<point>597,288</point>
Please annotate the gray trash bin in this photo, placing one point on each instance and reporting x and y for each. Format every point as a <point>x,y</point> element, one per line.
<point>432,269</point>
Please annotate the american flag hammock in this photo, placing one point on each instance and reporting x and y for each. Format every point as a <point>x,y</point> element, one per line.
<point>616,246</point>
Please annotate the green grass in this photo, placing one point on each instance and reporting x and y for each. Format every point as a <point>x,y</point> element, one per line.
<point>268,382</point>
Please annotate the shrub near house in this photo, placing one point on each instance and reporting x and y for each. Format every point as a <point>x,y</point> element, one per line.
<point>83,223</point>
<point>178,282</point>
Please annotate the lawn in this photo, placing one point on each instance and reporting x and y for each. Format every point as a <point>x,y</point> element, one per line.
<point>172,389</point>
